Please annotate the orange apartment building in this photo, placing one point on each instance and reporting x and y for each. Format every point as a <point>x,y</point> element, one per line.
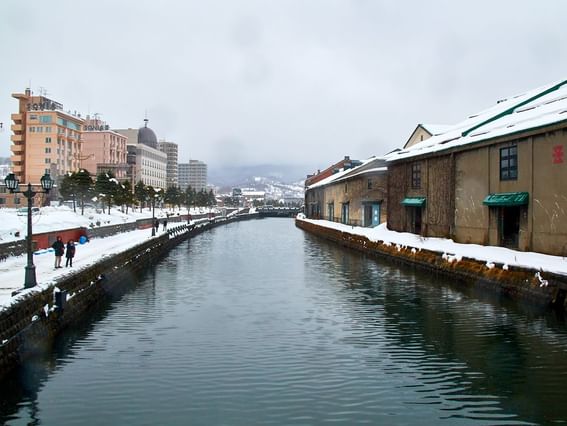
<point>103,150</point>
<point>45,138</point>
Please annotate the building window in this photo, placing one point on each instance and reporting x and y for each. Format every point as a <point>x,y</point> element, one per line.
<point>48,150</point>
<point>509,163</point>
<point>416,175</point>
<point>48,161</point>
<point>345,213</point>
<point>346,188</point>
<point>369,184</point>
<point>48,140</point>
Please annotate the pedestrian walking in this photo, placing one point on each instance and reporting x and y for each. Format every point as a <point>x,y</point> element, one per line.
<point>164,224</point>
<point>70,253</point>
<point>156,224</point>
<point>59,248</point>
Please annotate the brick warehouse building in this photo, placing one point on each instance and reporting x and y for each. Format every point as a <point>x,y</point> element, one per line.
<point>497,178</point>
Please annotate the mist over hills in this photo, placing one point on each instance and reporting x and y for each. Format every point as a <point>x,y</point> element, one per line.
<point>237,176</point>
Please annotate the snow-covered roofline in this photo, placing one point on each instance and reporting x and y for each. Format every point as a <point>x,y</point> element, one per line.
<point>537,108</point>
<point>367,166</point>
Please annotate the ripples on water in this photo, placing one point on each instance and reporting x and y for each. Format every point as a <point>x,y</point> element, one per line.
<point>259,323</point>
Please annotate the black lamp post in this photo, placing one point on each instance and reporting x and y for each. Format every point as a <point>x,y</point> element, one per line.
<point>153,214</point>
<point>12,183</point>
<point>154,195</point>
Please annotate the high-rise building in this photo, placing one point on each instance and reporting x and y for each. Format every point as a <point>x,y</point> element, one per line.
<point>194,174</point>
<point>45,138</point>
<point>103,149</point>
<point>170,149</point>
<point>183,175</point>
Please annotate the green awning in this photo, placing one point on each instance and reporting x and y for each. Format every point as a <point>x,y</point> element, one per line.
<point>504,199</point>
<point>413,201</point>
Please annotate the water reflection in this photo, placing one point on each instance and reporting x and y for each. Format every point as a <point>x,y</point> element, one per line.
<point>258,322</point>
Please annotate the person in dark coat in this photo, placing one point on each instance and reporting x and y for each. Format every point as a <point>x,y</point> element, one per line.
<point>164,224</point>
<point>156,224</point>
<point>59,248</point>
<point>70,253</point>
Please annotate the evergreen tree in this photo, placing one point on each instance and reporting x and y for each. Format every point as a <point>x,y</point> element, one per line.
<point>84,186</point>
<point>172,196</point>
<point>211,199</point>
<point>68,188</point>
<point>124,196</point>
<point>141,193</point>
<point>201,198</point>
<point>190,198</point>
<point>107,187</point>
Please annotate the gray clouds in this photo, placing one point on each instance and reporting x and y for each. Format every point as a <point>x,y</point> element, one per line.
<point>293,81</point>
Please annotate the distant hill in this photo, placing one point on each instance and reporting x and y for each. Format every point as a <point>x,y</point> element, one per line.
<point>242,176</point>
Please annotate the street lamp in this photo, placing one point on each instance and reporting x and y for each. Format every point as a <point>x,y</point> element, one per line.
<point>12,183</point>
<point>153,213</point>
<point>154,196</point>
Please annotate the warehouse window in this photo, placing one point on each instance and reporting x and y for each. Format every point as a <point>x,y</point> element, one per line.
<point>509,163</point>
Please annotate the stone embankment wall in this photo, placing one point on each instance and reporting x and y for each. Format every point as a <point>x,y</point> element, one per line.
<point>539,288</point>
<point>28,327</point>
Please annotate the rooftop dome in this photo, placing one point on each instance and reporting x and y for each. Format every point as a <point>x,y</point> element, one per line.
<point>147,136</point>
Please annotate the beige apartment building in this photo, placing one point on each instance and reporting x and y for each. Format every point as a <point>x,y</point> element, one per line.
<point>103,149</point>
<point>45,138</point>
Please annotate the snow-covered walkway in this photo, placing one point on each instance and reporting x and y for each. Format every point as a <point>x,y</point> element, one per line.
<point>12,269</point>
<point>13,227</point>
<point>454,251</point>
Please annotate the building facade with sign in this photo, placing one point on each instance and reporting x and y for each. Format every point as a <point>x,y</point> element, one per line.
<point>45,138</point>
<point>497,178</point>
<point>103,149</point>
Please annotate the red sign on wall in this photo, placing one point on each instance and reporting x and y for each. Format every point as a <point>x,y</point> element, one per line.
<point>557,154</point>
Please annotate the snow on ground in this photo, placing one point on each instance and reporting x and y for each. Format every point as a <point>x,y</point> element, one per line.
<point>63,217</point>
<point>59,218</point>
<point>12,269</point>
<point>454,251</point>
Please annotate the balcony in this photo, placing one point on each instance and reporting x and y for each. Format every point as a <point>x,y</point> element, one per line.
<point>17,128</point>
<point>17,118</point>
<point>17,138</point>
<point>18,149</point>
<point>17,169</point>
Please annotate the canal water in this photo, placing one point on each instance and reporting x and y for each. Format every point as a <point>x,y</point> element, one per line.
<point>260,323</point>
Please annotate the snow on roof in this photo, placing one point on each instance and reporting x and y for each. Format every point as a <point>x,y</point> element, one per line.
<point>436,129</point>
<point>539,107</point>
<point>254,193</point>
<point>355,171</point>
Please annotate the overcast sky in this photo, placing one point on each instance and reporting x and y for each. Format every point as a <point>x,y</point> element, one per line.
<point>282,81</point>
